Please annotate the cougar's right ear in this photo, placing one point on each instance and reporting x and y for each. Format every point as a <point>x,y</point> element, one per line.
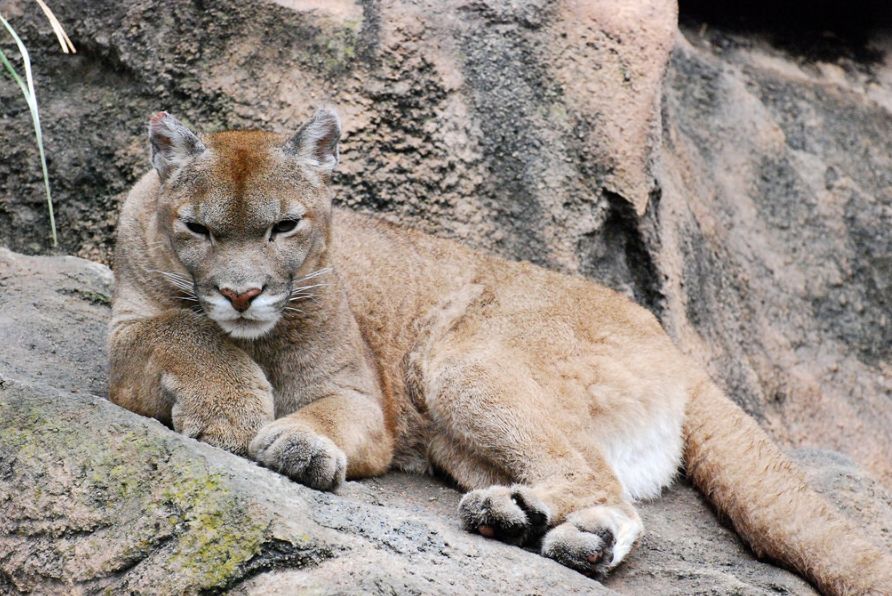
<point>171,143</point>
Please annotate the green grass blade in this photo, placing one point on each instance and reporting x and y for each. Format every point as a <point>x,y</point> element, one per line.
<point>14,74</point>
<point>31,98</point>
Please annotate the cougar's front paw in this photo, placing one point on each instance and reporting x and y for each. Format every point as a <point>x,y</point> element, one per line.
<point>300,454</point>
<point>224,417</point>
<point>508,513</point>
<point>594,540</point>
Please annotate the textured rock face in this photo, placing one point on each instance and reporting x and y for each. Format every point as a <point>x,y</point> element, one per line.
<point>775,229</point>
<point>96,498</point>
<point>739,191</point>
<point>503,123</point>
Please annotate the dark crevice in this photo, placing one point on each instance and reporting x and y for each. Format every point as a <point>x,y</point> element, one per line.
<point>7,586</point>
<point>812,30</point>
<point>275,554</point>
<point>635,239</point>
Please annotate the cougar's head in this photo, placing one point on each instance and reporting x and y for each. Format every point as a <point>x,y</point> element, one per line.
<point>247,214</point>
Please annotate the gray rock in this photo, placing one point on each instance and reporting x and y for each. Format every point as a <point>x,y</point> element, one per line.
<point>53,318</point>
<point>95,498</point>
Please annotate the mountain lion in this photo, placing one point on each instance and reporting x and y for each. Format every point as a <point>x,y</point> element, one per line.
<point>325,344</point>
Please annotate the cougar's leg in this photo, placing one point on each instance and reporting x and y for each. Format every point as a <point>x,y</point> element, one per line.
<point>180,368</point>
<point>492,421</point>
<point>335,437</point>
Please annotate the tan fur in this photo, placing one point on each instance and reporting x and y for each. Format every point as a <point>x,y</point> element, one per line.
<point>522,384</point>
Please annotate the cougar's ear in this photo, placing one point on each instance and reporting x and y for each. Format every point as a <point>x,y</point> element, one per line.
<point>316,143</point>
<point>171,143</point>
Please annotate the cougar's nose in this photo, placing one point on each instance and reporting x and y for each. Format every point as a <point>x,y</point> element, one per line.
<point>241,302</point>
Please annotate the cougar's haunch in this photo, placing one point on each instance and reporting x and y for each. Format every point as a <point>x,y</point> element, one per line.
<point>328,345</point>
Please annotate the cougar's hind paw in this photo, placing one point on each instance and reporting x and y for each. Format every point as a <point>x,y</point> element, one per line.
<point>590,553</point>
<point>511,514</point>
<point>594,540</point>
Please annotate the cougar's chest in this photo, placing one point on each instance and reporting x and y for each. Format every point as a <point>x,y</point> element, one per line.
<point>291,370</point>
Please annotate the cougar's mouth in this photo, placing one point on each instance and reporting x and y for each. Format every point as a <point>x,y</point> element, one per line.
<point>243,327</point>
<point>258,319</point>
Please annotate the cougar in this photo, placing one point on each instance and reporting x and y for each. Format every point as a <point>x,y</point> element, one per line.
<point>325,344</point>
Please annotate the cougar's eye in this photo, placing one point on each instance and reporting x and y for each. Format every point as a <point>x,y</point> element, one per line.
<point>284,226</point>
<point>197,228</point>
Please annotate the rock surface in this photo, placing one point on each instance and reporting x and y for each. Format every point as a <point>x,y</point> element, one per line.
<point>738,186</point>
<point>96,498</point>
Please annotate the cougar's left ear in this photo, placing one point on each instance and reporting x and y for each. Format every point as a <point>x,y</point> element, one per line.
<point>316,143</point>
<point>171,143</point>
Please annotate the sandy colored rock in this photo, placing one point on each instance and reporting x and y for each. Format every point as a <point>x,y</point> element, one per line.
<point>774,233</point>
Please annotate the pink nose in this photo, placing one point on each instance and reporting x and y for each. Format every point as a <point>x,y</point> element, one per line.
<point>241,302</point>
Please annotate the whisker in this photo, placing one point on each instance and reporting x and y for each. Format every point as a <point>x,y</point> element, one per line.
<point>178,280</point>
<point>299,288</point>
<point>316,273</point>
<point>171,273</point>
<point>299,292</point>
<point>185,287</point>
<point>173,276</point>
<point>303,292</point>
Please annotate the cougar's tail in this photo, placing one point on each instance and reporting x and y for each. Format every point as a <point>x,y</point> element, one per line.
<point>747,478</point>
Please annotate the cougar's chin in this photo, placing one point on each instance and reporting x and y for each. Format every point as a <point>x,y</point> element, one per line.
<point>242,328</point>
